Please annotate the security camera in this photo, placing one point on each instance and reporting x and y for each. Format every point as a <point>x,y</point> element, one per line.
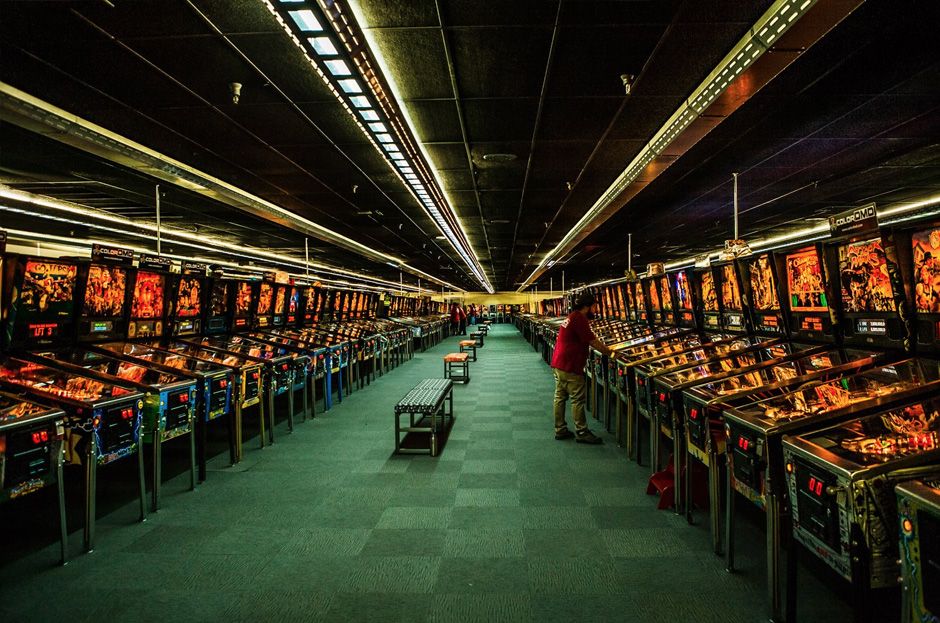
<point>235,88</point>
<point>627,80</point>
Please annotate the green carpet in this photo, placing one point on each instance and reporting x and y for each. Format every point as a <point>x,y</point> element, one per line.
<point>507,524</point>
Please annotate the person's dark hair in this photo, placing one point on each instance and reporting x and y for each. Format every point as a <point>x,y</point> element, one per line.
<point>583,300</point>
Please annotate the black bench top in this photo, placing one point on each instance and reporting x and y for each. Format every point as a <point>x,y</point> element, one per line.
<point>425,397</point>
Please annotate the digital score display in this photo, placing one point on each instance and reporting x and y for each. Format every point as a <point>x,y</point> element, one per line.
<point>926,249</point>
<point>872,326</point>
<point>43,330</point>
<point>805,281</point>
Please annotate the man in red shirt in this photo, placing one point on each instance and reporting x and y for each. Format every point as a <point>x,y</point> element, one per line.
<point>571,351</point>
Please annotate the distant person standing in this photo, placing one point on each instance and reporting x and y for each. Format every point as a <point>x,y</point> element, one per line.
<point>462,318</point>
<point>571,351</point>
<point>454,318</point>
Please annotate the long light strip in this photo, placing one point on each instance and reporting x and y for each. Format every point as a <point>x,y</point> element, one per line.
<point>768,28</point>
<point>69,244</point>
<point>149,161</point>
<point>328,43</point>
<point>888,216</point>
<point>124,226</point>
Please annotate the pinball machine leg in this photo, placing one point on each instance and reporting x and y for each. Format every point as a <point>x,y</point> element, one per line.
<point>714,499</point>
<point>192,452</point>
<point>141,483</point>
<point>303,393</point>
<point>262,433</point>
<point>687,492</point>
<point>238,432</point>
<point>327,389</point>
<point>793,559</point>
<point>232,437</point>
<point>730,496</point>
<point>631,431</point>
<point>654,443</point>
<point>290,407</point>
<point>157,446</point>
<point>272,397</point>
<point>91,477</point>
<point>618,424</point>
<point>774,536</point>
<point>677,456</point>
<point>60,498</point>
<point>201,425</point>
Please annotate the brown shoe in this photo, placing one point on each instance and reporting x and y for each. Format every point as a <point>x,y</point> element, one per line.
<point>565,434</point>
<point>586,436</point>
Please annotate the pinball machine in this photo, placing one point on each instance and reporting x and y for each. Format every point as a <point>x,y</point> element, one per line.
<point>214,383</point>
<point>326,349</point>
<point>302,307</point>
<point>102,421</point>
<point>280,368</point>
<point>31,437</point>
<point>849,520</point>
<point>148,326</point>
<point>169,397</point>
<point>919,542</point>
<point>703,402</point>
<point>655,404</point>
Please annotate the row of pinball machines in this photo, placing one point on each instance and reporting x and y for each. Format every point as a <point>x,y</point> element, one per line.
<point>104,358</point>
<point>809,376</point>
<point>427,320</point>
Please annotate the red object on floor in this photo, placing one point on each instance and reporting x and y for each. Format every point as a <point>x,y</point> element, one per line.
<point>664,483</point>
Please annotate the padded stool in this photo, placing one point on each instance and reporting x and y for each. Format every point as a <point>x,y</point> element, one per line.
<point>469,346</point>
<point>478,336</point>
<point>457,367</point>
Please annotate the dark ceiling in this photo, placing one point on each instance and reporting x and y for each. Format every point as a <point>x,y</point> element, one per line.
<point>854,119</point>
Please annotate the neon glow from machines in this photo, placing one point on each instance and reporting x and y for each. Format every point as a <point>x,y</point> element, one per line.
<point>919,528</point>
<point>868,299</point>
<point>31,437</point>
<point>685,305</point>
<point>42,302</point>
<point>732,301</point>
<point>708,295</point>
<point>187,305</point>
<point>841,481</point>
<point>925,252</point>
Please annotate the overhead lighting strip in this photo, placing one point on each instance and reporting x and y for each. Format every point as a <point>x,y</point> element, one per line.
<point>894,214</point>
<point>327,35</point>
<point>771,25</point>
<point>71,245</point>
<point>105,221</point>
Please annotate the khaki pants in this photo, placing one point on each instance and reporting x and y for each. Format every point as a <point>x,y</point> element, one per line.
<point>568,385</point>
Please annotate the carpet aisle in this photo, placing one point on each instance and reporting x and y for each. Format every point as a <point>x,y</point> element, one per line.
<point>507,524</point>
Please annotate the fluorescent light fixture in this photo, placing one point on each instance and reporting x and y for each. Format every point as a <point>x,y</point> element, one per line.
<point>385,138</point>
<point>350,85</point>
<point>397,156</point>
<point>369,115</point>
<point>376,127</point>
<point>306,20</point>
<point>340,68</point>
<point>390,147</point>
<point>90,217</point>
<point>323,46</point>
<point>775,20</point>
<point>360,101</point>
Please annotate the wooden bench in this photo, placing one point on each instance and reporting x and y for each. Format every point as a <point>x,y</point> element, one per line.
<point>457,367</point>
<point>469,346</point>
<point>426,402</point>
<point>478,336</point>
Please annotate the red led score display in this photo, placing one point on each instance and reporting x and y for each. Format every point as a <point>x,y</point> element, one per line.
<point>49,329</point>
<point>815,486</point>
<point>127,414</point>
<point>40,437</point>
<point>744,443</point>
